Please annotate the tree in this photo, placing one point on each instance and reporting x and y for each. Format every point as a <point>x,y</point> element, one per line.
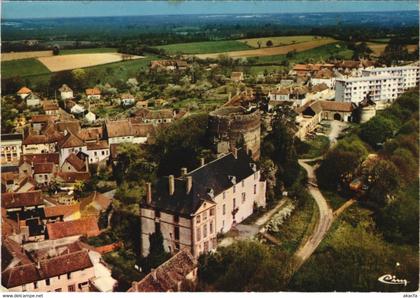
<point>157,254</point>
<point>376,131</point>
<point>56,50</point>
<point>259,44</point>
<point>385,180</point>
<point>242,266</point>
<point>269,43</point>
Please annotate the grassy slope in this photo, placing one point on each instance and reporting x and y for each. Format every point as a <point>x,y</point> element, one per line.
<point>23,68</point>
<point>205,47</point>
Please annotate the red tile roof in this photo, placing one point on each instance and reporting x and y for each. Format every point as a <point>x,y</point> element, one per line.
<point>71,141</point>
<point>86,227</point>
<point>44,168</point>
<point>72,177</point>
<point>40,158</point>
<point>61,210</point>
<point>43,118</point>
<point>76,162</point>
<point>93,91</point>
<point>22,199</point>
<point>98,145</point>
<point>90,133</point>
<point>50,105</point>
<point>168,276</point>
<point>24,90</point>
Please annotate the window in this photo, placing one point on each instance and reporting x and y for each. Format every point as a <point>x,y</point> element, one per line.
<point>243,197</point>
<point>234,188</point>
<point>69,275</point>
<point>224,209</point>
<point>211,211</point>
<point>47,281</point>
<point>176,233</point>
<point>35,284</point>
<point>211,227</point>
<point>103,152</point>
<point>176,218</point>
<point>198,232</point>
<point>206,246</point>
<point>72,288</point>
<point>255,189</point>
<point>95,153</point>
<point>234,203</point>
<point>198,220</point>
<point>205,215</point>
<point>243,183</point>
<point>58,290</point>
<point>177,246</point>
<point>205,231</point>
<point>46,177</point>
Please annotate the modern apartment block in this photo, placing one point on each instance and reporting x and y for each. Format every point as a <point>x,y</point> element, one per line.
<point>192,209</point>
<point>383,85</point>
<point>410,74</point>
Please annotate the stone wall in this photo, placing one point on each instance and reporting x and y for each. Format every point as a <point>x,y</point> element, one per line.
<point>230,126</point>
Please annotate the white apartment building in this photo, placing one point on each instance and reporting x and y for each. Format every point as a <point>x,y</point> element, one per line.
<point>382,89</point>
<point>410,74</point>
<point>192,209</point>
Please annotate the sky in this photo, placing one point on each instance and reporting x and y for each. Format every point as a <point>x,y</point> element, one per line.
<point>59,9</point>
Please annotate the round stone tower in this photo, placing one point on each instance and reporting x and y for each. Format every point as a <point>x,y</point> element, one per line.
<point>234,126</point>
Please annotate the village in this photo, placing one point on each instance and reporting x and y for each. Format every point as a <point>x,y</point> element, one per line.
<point>55,150</point>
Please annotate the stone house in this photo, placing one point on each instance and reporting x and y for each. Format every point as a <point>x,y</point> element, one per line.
<point>23,92</point>
<point>28,161</point>
<point>170,276</point>
<point>11,148</point>
<point>192,209</point>
<point>65,268</point>
<point>66,92</point>
<point>44,173</point>
<point>125,131</point>
<point>74,163</point>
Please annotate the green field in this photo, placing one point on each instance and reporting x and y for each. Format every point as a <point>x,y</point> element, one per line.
<point>278,41</point>
<point>38,75</point>
<point>22,68</point>
<point>88,51</point>
<point>205,47</point>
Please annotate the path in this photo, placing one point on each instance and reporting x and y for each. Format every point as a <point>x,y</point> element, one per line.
<point>326,216</point>
<point>248,231</point>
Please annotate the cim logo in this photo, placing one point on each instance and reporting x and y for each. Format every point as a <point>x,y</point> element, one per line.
<point>392,280</point>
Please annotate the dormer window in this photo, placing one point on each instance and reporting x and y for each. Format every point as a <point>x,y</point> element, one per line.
<point>210,193</point>
<point>232,179</point>
<point>253,166</point>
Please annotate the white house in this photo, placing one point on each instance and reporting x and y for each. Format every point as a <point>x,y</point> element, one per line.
<point>127,99</point>
<point>90,117</point>
<point>98,151</point>
<point>124,131</point>
<point>65,92</point>
<point>11,148</point>
<point>77,109</point>
<point>70,144</point>
<point>192,209</point>
<point>32,100</point>
<point>24,92</point>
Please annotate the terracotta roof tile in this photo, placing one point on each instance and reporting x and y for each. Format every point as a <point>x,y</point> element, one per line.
<point>93,91</point>
<point>40,158</point>
<point>72,177</point>
<point>87,227</point>
<point>167,276</point>
<point>61,210</point>
<point>22,199</point>
<point>71,141</point>
<point>76,162</point>
<point>103,144</point>
<point>24,90</point>
<point>44,168</point>
<point>43,118</point>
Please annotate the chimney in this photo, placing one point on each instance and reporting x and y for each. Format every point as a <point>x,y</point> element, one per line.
<point>202,161</point>
<point>149,193</point>
<point>184,171</point>
<point>171,181</point>
<point>153,273</point>
<point>235,152</point>
<point>189,184</point>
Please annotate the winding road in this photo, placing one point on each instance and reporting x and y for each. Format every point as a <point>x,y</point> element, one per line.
<point>326,215</point>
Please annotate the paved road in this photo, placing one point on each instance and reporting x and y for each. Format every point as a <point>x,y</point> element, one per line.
<point>326,216</point>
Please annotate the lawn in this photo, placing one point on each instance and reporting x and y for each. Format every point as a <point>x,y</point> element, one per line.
<point>205,47</point>
<point>88,51</point>
<point>278,40</point>
<point>22,68</point>
<point>316,147</point>
<point>333,199</point>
